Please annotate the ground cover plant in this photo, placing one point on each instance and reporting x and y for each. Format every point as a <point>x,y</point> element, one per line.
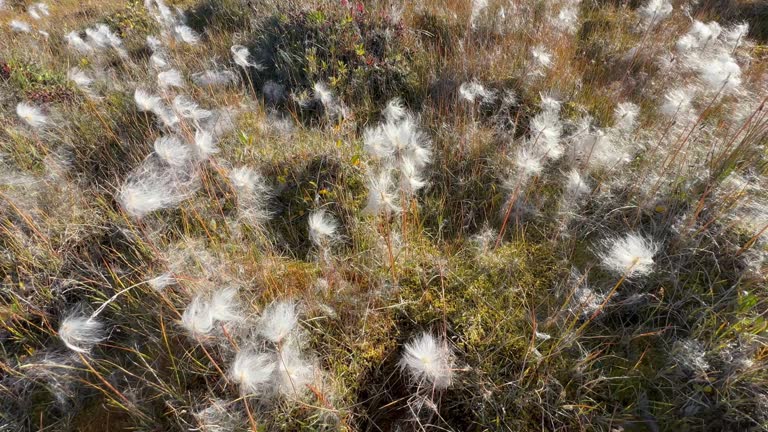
<point>442,215</point>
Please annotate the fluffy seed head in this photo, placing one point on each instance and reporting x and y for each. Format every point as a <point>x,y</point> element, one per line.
<point>146,101</point>
<point>20,26</point>
<point>32,115</point>
<point>151,188</point>
<point>242,57</point>
<point>428,361</point>
<point>677,102</point>
<point>170,78</point>
<point>381,196</point>
<point>322,228</point>
<point>655,11</point>
<point>172,150</point>
<point>197,318</point>
<point>575,186</point>
<point>252,371</point>
<point>224,305</point>
<point>185,34</point>
<point>80,333</point>
<point>626,116</point>
<point>278,320</point>
<point>294,372</point>
<point>630,256</point>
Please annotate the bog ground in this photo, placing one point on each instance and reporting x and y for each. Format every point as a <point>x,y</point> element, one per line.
<point>435,215</point>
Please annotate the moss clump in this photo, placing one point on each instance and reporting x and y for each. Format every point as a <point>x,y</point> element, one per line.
<point>360,53</point>
<point>36,83</point>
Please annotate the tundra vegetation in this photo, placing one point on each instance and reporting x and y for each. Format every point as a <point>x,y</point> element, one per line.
<point>453,215</point>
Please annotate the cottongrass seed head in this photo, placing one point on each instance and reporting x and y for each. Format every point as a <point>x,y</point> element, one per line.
<point>80,333</point>
<point>197,318</point>
<point>278,321</point>
<point>428,361</point>
<point>322,228</point>
<point>32,115</point>
<point>294,371</point>
<point>252,371</point>
<point>630,256</point>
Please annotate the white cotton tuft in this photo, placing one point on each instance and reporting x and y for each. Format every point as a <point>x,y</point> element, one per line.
<point>32,115</point>
<point>185,34</point>
<point>428,361</point>
<point>242,57</point>
<point>150,188</point>
<point>77,43</point>
<point>79,77</point>
<point>159,283</point>
<point>189,109</point>
<point>294,372</point>
<point>736,35</point>
<point>567,19</point>
<point>475,91</point>
<point>542,59</point>
<point>575,186</point>
<point>381,196</point>
<point>394,111</point>
<point>225,306</point>
<point>719,73</point>
<point>322,228</point>
<point>545,132</point>
<point>173,150</point>
<point>655,11</point>
<point>629,256</point>
<point>699,36</point>
<point>677,102</point>
<point>145,101</point>
<point>20,26</point>
<point>170,78</point>
<point>626,116</point>
<point>197,318</point>
<point>80,333</point>
<point>252,371</point>
<point>252,194</point>
<point>205,144</point>
<point>528,163</point>
<point>278,321</point>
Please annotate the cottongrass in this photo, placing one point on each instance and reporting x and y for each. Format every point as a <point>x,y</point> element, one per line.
<point>294,372</point>
<point>278,321</point>
<point>381,195</point>
<point>655,11</point>
<point>145,101</point>
<point>205,311</point>
<point>214,78</point>
<point>173,150</point>
<point>32,115</point>
<point>322,228</point>
<point>170,78</point>
<point>205,144</point>
<point>629,256</point>
<point>253,371</point>
<point>161,282</point>
<point>152,188</point>
<point>80,333</point>
<point>428,361</point>
<point>474,91</point>
<point>19,26</point>
<point>575,186</point>
<point>242,57</point>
